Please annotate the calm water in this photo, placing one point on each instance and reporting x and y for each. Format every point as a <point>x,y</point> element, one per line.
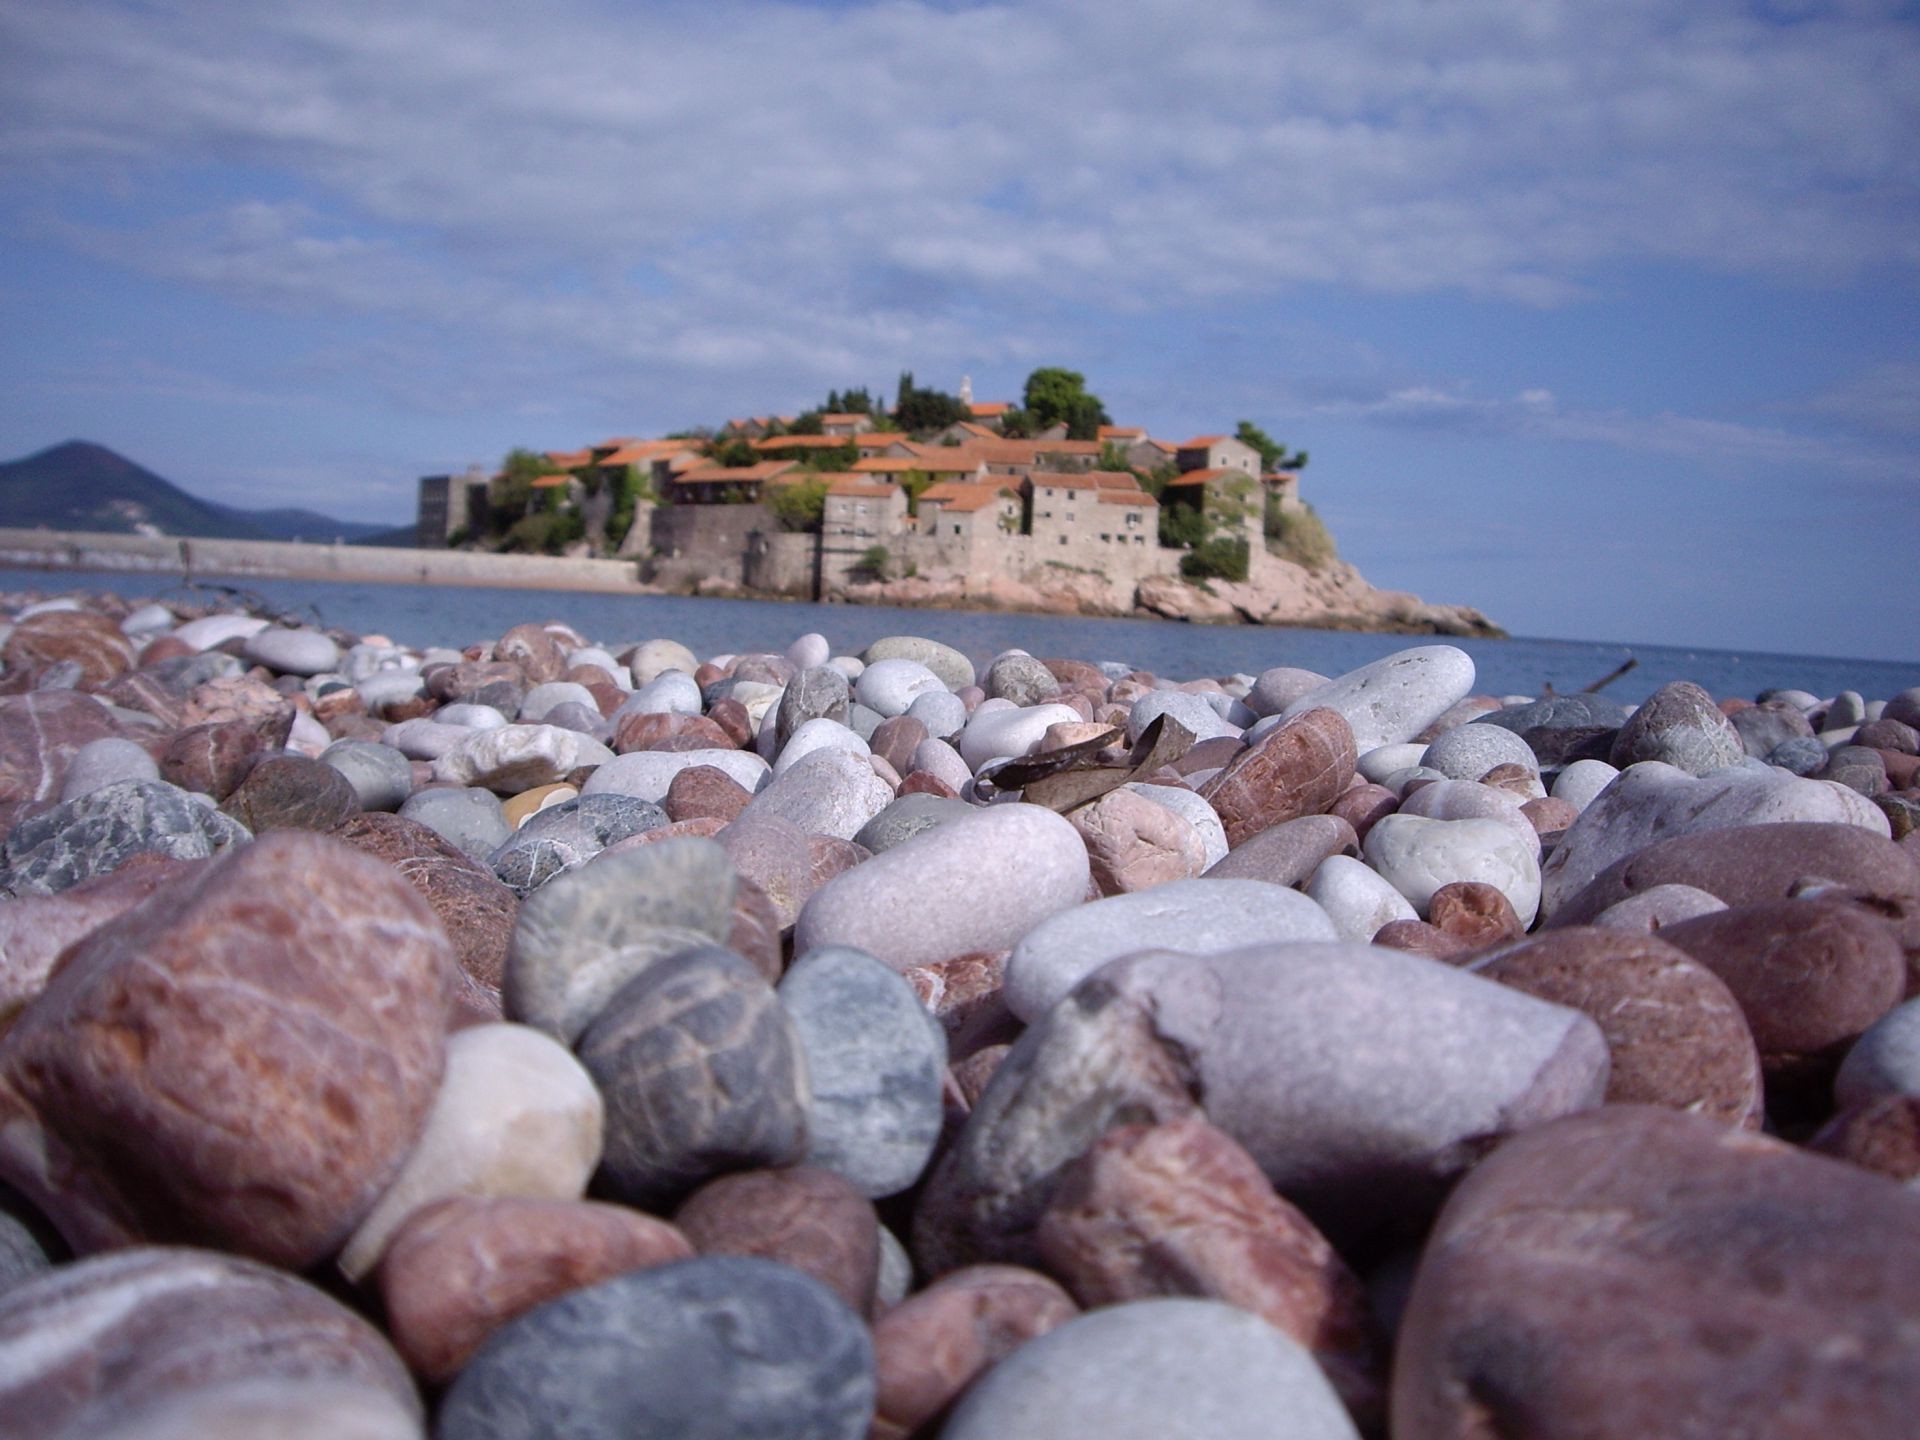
<point>444,615</point>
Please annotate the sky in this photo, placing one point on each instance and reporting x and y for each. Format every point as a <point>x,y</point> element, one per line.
<point>1601,317</point>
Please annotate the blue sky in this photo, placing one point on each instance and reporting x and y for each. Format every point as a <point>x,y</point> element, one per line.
<point>1604,318</point>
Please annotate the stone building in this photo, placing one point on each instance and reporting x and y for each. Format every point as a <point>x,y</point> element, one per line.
<point>450,505</point>
<point>970,526</point>
<point>1218,452</point>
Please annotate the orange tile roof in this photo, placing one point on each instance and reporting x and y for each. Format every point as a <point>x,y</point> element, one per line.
<point>1127,497</point>
<point>567,459</point>
<point>709,474</point>
<point>987,409</point>
<point>879,439</point>
<point>800,442</point>
<point>861,488</point>
<point>1201,477</point>
<point>974,498</point>
<point>935,463</point>
<point>1064,480</point>
<point>642,452</point>
<point>1123,432</point>
<point>1203,442</point>
<point>980,432</point>
<point>551,482</point>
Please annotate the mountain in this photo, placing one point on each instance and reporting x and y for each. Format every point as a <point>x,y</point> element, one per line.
<point>83,486</point>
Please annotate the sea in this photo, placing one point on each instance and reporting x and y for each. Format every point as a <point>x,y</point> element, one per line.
<point>426,615</point>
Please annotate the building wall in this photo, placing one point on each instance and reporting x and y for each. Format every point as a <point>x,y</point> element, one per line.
<point>783,563</point>
<point>695,542</point>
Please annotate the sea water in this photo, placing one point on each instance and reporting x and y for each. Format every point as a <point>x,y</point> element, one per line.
<point>456,616</point>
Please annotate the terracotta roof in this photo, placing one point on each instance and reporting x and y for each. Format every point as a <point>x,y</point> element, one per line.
<point>981,432</point>
<point>800,442</point>
<point>1127,497</point>
<point>1203,442</point>
<point>1280,477</point>
<point>937,463</point>
<point>551,482</point>
<point>641,452</point>
<point>1201,477</point>
<point>990,408</point>
<point>861,488</point>
<point>1123,432</point>
<point>972,498</point>
<point>709,474</point>
<point>879,440</point>
<point>567,459</point>
<point>1064,480</point>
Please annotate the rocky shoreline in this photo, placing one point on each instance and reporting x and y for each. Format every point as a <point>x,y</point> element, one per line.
<point>576,1035</point>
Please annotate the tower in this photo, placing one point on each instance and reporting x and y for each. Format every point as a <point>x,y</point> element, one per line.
<point>966,390</point>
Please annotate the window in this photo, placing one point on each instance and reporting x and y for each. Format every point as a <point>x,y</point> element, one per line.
<point>956,527</point>
<point>1063,539</point>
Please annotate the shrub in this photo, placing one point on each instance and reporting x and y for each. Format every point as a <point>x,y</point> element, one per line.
<point>1216,559</point>
<point>799,506</point>
<point>1300,536</point>
<point>875,563</point>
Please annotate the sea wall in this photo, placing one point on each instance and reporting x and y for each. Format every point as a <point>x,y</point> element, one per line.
<point>272,559</point>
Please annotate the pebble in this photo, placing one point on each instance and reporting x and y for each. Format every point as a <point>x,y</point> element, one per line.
<point>1135,844</point>
<point>380,775</point>
<point>1469,751</point>
<point>291,792</point>
<point>1417,856</point>
<point>103,762</point>
<point>466,817</point>
<point>829,792</point>
<point>1150,1370</point>
<point>1356,897</point>
<point>1648,910</point>
<point>1392,700</point>
<point>1192,916</point>
<point>805,1217</point>
<point>567,835</point>
<point>1885,1060</point>
<point>519,757</point>
<point>1003,734</point>
<point>102,830</point>
<point>649,774</point>
<point>1300,768</point>
<point>954,669</point>
<point>875,1062</point>
<point>721,1347</point>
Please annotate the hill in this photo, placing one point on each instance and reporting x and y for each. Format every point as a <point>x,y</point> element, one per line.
<point>83,486</point>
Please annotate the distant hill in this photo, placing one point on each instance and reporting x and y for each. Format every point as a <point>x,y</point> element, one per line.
<point>83,486</point>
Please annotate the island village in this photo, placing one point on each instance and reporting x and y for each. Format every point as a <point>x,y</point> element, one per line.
<point>943,501</point>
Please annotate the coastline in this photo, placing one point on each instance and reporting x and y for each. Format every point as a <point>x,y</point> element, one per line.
<point>189,559</point>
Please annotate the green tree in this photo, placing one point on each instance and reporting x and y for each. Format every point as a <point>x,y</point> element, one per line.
<point>1054,396</point>
<point>875,563</point>
<point>918,411</point>
<point>1219,558</point>
<point>735,454</point>
<point>807,422</point>
<point>1273,455</point>
<point>800,506</point>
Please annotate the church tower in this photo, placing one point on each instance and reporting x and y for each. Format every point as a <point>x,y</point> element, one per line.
<point>966,390</point>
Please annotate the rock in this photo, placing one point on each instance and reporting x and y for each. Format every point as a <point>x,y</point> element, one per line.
<point>539,702</point>
<point>101,831</point>
<point>1275,689</point>
<point>704,792</point>
<point>243,1061</point>
<point>172,1344</point>
<point>1418,856</point>
<point>1562,730</point>
<point>211,630</point>
<point>1191,711</point>
<point>518,809</point>
<point>805,1217</point>
<point>1885,1060</point>
<point>667,730</point>
<point>291,651</point>
<point>1881,1134</point>
<point>1763,728</point>
<point>943,713</point>
<point>1473,911</point>
<point>241,697</point>
<point>106,761</point>
<point>291,792</point>
<point>1180,1209</point>
<point>1653,802</point>
<point>459,1269</point>
<point>965,995</point>
<point>1298,769</point>
<point>1675,1033</point>
<point>468,818</point>
<point>1150,1370</point>
<point>515,1116</point>
<point>649,774</point>
<point>92,643</point>
<point>875,1060</point>
<point>1679,725</point>
<point>566,836</point>
<point>1021,679</point>
<point>717,1348</point>
<point>581,938</point>
<point>39,736</point>
<point>1648,911</point>
<point>1135,844</point>
<point>1768,1290</point>
<point>1356,898</point>
<point>28,1244</point>
<point>34,929</point>
<point>1196,812</point>
<point>535,650</point>
<point>827,793</point>
<point>1417,937</point>
<point>381,777</point>
<point>519,757</point>
<point>818,693</point>
<point>1360,1079</point>
<point>905,818</point>
<point>1195,917</point>
<point>1810,976</point>
<point>1287,853</point>
<point>889,687</point>
<point>930,1346</point>
<point>1002,734</point>
<point>818,735</point>
<point>953,668</point>
<point>1393,699</point>
<point>1469,751</point>
<point>652,658</point>
<point>978,882</point>
<point>702,1073</point>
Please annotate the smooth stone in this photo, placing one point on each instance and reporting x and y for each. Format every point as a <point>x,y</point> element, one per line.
<point>550,695</point>
<point>776,856</point>
<point>388,690</point>
<point>35,929</point>
<point>816,693</point>
<point>895,741</point>
<point>1201,720</point>
<point>1417,856</point>
<point>242,1061</point>
<point>475,909</point>
<point>1881,1135</point>
<point>40,733</point>
<point>672,692</point>
<point>291,792</point>
<point>1180,1209</point>
<point>1469,751</point>
<point>1475,913</point>
<point>380,775</point>
<point>1676,1033</point>
<point>649,774</point>
<point>106,761</point>
<point>702,1072</point>
<point>1562,730</point>
<point>829,792</point>
<point>1151,1370</point>
<point>515,1115</point>
<point>177,1344</point>
<point>1002,734</point>
<point>1192,916</point>
<point>805,1217</point>
<point>1885,1060</point>
<point>568,835</point>
<point>1300,768</point>
<point>519,757</point>
<point>425,739</point>
<point>1021,679</point>
<point>211,630</point>
<point>966,995</point>
<point>291,652</point>
<point>816,735</point>
<point>96,834</point>
<point>1383,761</point>
<point>954,669</point>
<point>581,938</point>
<point>1652,801</point>
<point>978,882</point>
<point>1647,912</point>
<point>941,760</point>
<point>1356,898</point>
<point>1470,800</point>
<point>1637,1272</point>
<point>721,1347</point>
<point>889,687</point>
<point>457,1270</point>
<point>1392,700</point>
<point>1273,690</point>
<point>652,658</point>
<point>90,649</point>
<point>1189,806</point>
<point>1581,782</point>
<point>704,792</point>
<point>518,809</point>
<point>930,1346</point>
<point>1417,937</point>
<point>905,818</point>
<point>1763,728</point>
<point>1361,1079</point>
<point>468,818</point>
<point>876,1062</point>
<point>1134,844</point>
<point>474,716</point>
<point>942,712</point>
<point>809,650</point>
<point>1287,853</point>
<point>1810,975</point>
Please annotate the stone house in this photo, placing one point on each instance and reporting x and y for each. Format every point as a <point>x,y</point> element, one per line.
<point>938,462</point>
<point>861,511</point>
<point>726,485</point>
<point>1218,452</point>
<point>970,525</point>
<point>845,425</point>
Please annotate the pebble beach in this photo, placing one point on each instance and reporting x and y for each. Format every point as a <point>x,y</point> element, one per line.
<point>575,1035</point>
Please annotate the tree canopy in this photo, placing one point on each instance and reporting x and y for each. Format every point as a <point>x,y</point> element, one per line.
<point>1273,454</point>
<point>916,410</point>
<point>1054,396</point>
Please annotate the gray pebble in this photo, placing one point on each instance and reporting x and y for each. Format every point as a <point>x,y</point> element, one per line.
<point>905,818</point>
<point>103,762</point>
<point>953,668</point>
<point>380,775</point>
<point>566,836</point>
<point>467,817</point>
<point>98,832</point>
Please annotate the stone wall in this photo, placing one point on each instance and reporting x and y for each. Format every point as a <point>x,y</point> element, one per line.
<point>692,543</point>
<point>783,563</point>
